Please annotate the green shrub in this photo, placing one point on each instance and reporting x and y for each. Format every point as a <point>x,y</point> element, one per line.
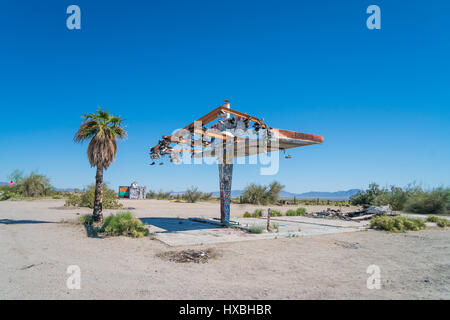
<point>73,200</point>
<point>247,215</point>
<point>206,196</point>
<point>255,229</point>
<point>291,212</point>
<point>435,201</point>
<point>163,195</point>
<point>192,194</point>
<point>124,224</point>
<point>275,226</point>
<point>255,194</point>
<point>5,195</point>
<point>34,185</point>
<point>365,197</point>
<point>298,212</point>
<point>275,213</point>
<point>257,213</point>
<point>396,197</point>
<point>259,194</point>
<point>86,219</point>
<point>441,222</point>
<point>86,198</point>
<point>396,224</point>
<point>411,198</point>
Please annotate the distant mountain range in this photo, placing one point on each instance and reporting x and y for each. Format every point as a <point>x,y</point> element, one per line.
<point>338,195</point>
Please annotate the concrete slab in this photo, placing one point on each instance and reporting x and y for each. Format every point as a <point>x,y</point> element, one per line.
<point>187,232</point>
<point>321,221</point>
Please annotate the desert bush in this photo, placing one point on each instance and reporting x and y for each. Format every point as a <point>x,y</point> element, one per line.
<point>396,224</point>
<point>5,195</point>
<point>86,219</point>
<point>259,194</point>
<point>255,229</point>
<point>123,224</point>
<point>411,198</point>
<point>257,213</point>
<point>441,222</point>
<point>192,194</point>
<point>273,192</point>
<point>365,197</point>
<point>396,197</point>
<point>275,226</point>
<point>291,212</point>
<point>73,200</point>
<point>86,198</point>
<point>275,213</point>
<point>163,195</point>
<point>34,185</point>
<point>206,196</point>
<point>150,195</point>
<point>298,212</point>
<point>434,201</point>
<point>254,194</point>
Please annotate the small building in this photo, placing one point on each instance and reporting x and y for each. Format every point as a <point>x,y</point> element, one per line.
<point>132,192</point>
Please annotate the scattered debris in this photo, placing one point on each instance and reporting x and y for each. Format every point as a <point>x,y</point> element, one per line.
<point>359,215</point>
<point>186,256</point>
<point>31,266</point>
<point>347,245</point>
<point>379,210</point>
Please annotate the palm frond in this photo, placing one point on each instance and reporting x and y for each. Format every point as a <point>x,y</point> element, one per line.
<point>102,129</point>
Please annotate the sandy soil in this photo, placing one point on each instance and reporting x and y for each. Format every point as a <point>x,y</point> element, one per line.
<point>36,250</point>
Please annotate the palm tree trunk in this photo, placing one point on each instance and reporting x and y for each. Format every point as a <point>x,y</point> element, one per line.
<point>98,199</point>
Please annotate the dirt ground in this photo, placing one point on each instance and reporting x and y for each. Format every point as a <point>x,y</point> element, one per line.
<point>36,250</point>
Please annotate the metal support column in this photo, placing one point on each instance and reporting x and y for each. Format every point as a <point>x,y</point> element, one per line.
<point>225,176</point>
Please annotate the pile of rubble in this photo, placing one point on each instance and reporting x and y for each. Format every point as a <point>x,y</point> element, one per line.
<point>186,256</point>
<point>359,215</point>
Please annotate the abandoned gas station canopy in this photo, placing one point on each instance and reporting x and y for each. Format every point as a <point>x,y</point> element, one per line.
<point>234,134</point>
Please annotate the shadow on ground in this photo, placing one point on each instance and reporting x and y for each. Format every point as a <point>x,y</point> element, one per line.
<point>176,224</point>
<point>10,221</point>
<point>90,232</point>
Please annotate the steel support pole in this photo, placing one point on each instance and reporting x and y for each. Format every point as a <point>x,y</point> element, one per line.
<point>225,177</point>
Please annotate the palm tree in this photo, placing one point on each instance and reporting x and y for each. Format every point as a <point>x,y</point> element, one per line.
<point>102,129</point>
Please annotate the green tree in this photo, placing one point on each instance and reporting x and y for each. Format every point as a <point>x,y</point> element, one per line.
<point>366,197</point>
<point>35,185</point>
<point>254,194</point>
<point>259,194</point>
<point>102,129</point>
<point>273,194</point>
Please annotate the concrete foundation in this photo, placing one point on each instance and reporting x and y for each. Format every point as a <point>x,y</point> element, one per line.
<point>194,231</point>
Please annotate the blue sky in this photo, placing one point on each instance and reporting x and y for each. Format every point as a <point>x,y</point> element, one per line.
<point>380,98</point>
